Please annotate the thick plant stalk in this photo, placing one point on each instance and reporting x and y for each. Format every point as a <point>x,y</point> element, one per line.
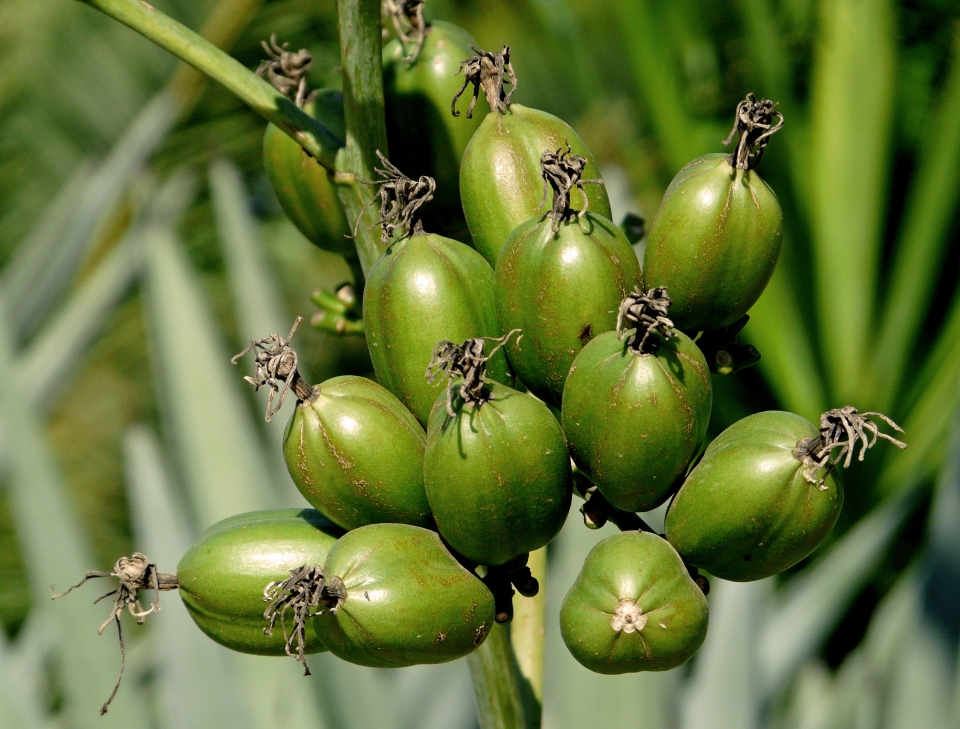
<point>495,685</point>
<point>526,635</point>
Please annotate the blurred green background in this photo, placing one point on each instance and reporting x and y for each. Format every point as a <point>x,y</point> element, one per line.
<point>141,246</point>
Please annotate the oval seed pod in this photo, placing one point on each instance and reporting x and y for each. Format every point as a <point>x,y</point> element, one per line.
<point>636,412</point>
<point>633,607</point>
<point>406,600</point>
<point>425,288</point>
<point>560,279</point>
<point>425,139</point>
<point>715,241</point>
<point>223,575</point>
<point>766,494</point>
<point>496,468</point>
<point>500,185</point>
<point>352,448</point>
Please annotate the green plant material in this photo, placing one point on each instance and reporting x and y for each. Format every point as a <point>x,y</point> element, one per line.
<point>20,688</point>
<point>406,599</point>
<point>223,575</point>
<point>504,457</point>
<point>424,290</point>
<point>356,454</point>
<point>495,685</point>
<point>527,633</point>
<point>751,509</point>
<point>633,607</point>
<point>635,420</point>
<point>561,285</point>
<point>714,243</point>
<point>500,178</point>
<point>849,164</point>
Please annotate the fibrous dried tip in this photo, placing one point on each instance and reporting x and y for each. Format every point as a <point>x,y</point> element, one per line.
<point>307,593</point>
<point>840,430</point>
<point>563,171</point>
<point>468,362</point>
<point>400,201</point>
<point>755,124</point>
<point>276,368</point>
<point>287,71</point>
<point>487,71</point>
<point>407,17</point>
<point>135,573</point>
<point>646,313</point>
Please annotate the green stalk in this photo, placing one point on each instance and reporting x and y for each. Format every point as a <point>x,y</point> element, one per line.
<point>495,685</point>
<point>526,634</point>
<point>228,72</point>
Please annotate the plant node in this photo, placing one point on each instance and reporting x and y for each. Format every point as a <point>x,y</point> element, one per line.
<point>563,171</point>
<point>646,313</point>
<point>501,581</point>
<point>276,368</point>
<point>407,17</point>
<point>135,573</point>
<point>724,353</point>
<point>400,201</point>
<point>340,313</point>
<point>307,593</point>
<point>702,582</point>
<point>468,362</point>
<point>755,124</point>
<point>287,71</point>
<point>487,71</point>
<point>840,430</point>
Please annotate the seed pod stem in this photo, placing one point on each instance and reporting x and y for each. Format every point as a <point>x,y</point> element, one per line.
<point>468,362</point>
<point>487,71</point>
<point>755,124</point>
<point>563,171</point>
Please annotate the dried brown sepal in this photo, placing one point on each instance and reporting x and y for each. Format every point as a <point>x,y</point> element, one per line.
<point>646,313</point>
<point>407,18</point>
<point>487,71</point>
<point>276,368</point>
<point>287,71</point>
<point>468,362</point>
<point>563,172</point>
<point>755,124</point>
<point>840,431</point>
<point>135,573</point>
<point>400,201</point>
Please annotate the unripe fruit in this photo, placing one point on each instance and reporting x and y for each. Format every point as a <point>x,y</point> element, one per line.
<point>633,607</point>
<point>408,601</point>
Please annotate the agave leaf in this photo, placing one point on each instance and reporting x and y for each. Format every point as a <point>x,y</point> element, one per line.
<point>20,680</point>
<point>435,697</point>
<point>851,114</point>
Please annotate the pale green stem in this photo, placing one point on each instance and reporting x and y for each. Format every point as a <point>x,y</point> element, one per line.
<point>495,685</point>
<point>526,634</point>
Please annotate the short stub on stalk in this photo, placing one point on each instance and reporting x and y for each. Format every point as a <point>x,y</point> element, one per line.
<point>489,72</point>
<point>276,368</point>
<point>562,171</point>
<point>755,122</point>
<point>506,579</point>
<point>723,350</point>
<point>408,22</point>
<point>135,573</point>
<point>840,431</point>
<point>467,361</point>
<point>400,201</point>
<point>646,313</point>
<point>287,71</point>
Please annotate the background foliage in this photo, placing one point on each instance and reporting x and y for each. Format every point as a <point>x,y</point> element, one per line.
<point>140,246</point>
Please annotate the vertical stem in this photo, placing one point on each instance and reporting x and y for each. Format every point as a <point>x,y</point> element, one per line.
<point>526,636</point>
<point>363,108</point>
<point>495,685</point>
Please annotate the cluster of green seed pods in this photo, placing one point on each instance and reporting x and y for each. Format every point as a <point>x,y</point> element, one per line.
<point>517,345</point>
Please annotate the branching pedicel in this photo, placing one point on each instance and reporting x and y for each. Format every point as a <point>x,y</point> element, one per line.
<point>487,71</point>
<point>755,125</point>
<point>647,313</point>
<point>563,171</point>
<point>468,362</point>
<point>287,71</point>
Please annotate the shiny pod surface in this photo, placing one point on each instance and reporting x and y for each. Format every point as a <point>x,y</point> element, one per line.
<point>425,138</point>
<point>424,290</point>
<point>714,243</point>
<point>497,475</point>
<point>222,576</point>
<point>746,511</point>
<point>634,422</point>
<point>408,600</point>
<point>304,187</point>
<point>561,289</point>
<point>633,607</point>
<point>356,454</point>
<point>500,183</point>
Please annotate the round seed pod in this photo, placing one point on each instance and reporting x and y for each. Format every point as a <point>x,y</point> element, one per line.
<point>223,575</point>
<point>633,607</point>
<point>406,600</point>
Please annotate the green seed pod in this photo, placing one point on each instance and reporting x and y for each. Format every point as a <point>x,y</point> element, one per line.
<point>303,186</point>
<point>765,494</point>
<point>636,412</point>
<point>223,575</point>
<point>715,240</point>
<point>496,469</point>
<point>633,607</point>
<point>560,279</point>
<point>406,599</point>
<point>356,454</point>
<point>425,139</point>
